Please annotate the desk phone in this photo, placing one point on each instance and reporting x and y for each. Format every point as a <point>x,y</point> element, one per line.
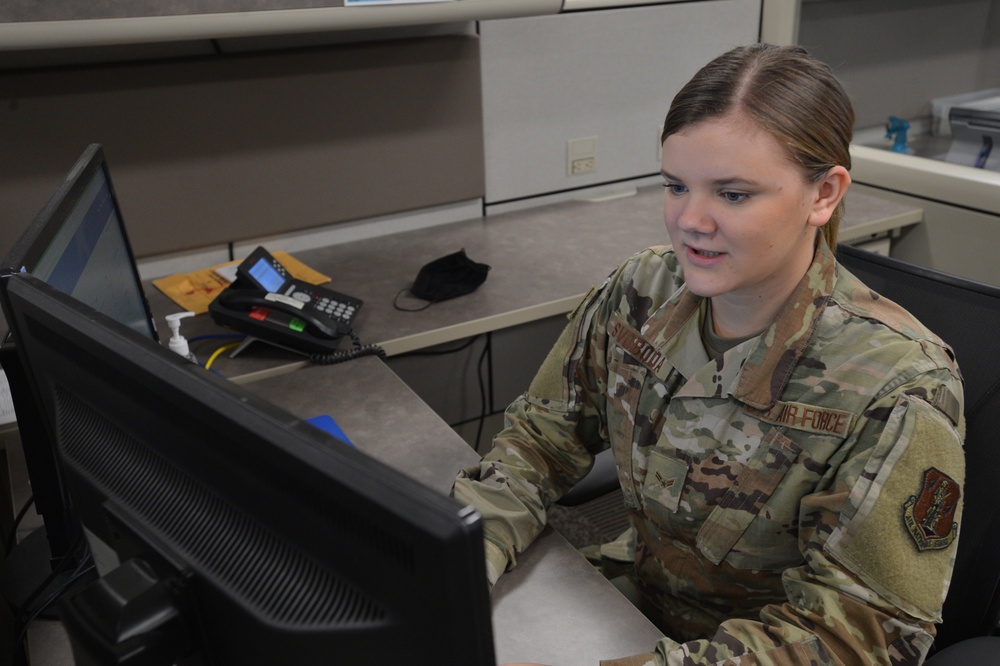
<point>267,303</point>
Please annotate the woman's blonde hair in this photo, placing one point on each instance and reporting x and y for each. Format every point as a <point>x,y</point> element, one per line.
<point>784,91</point>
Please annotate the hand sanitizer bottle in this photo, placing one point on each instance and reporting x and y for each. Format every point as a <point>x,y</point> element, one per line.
<point>178,343</point>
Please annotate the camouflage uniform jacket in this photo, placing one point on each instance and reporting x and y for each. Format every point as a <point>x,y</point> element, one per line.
<point>795,500</point>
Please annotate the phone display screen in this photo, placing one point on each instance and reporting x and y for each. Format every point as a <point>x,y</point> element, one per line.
<point>266,275</point>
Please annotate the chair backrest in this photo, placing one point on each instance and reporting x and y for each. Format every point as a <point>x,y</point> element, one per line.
<point>966,315</point>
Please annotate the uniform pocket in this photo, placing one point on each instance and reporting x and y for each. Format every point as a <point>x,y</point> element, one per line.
<point>664,481</point>
<point>747,496</point>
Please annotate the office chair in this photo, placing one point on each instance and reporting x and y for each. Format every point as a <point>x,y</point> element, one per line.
<point>966,315</point>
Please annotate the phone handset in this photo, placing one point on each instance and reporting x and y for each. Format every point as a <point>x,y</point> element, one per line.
<point>237,300</point>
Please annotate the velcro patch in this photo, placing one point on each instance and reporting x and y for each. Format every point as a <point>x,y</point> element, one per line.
<point>948,403</point>
<point>929,515</point>
<point>800,416</point>
<point>918,461</point>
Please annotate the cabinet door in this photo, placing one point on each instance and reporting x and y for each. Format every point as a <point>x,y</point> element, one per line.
<point>606,75</point>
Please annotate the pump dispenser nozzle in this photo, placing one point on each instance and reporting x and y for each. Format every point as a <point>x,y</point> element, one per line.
<point>178,343</point>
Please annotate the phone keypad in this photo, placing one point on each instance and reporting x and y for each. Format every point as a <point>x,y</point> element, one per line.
<point>335,308</point>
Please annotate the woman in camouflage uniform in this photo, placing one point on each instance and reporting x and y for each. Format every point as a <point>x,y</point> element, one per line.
<point>788,443</point>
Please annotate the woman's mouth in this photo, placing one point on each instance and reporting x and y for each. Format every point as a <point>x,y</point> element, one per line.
<point>703,258</point>
<point>708,254</point>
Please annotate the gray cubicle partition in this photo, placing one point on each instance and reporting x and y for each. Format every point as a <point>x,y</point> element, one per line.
<point>219,148</point>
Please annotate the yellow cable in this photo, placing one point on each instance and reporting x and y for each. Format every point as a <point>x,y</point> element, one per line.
<point>220,350</point>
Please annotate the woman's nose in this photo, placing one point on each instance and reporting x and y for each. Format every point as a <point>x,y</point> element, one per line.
<point>694,217</point>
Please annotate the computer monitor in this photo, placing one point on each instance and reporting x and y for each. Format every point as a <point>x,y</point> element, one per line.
<point>253,536</point>
<point>77,243</point>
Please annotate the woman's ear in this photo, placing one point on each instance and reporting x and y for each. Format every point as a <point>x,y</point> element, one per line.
<point>831,188</point>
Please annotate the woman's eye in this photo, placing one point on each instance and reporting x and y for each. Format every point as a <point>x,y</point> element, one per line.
<point>675,188</point>
<point>735,197</point>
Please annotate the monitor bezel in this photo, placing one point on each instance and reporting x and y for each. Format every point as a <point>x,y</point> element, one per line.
<point>69,347</point>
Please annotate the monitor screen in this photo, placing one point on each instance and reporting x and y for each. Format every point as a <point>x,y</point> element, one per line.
<point>256,537</point>
<point>78,244</point>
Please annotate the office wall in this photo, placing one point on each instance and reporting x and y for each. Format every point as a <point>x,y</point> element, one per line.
<point>894,56</point>
<point>608,74</point>
<point>214,149</point>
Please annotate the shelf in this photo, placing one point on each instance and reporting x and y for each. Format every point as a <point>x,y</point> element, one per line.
<point>66,25</point>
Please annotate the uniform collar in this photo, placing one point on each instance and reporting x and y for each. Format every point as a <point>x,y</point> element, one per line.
<point>769,365</point>
<point>759,369</point>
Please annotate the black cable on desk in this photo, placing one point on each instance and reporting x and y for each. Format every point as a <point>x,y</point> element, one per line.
<point>358,351</point>
<point>440,352</point>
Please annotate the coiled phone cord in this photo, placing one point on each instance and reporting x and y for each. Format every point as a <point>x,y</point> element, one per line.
<point>358,351</point>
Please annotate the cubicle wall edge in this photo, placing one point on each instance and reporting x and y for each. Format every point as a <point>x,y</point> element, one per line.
<point>66,25</point>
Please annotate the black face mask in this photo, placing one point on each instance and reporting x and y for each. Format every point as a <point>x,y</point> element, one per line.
<point>448,277</point>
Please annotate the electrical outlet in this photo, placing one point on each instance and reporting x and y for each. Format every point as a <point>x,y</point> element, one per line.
<point>581,156</point>
<point>583,165</point>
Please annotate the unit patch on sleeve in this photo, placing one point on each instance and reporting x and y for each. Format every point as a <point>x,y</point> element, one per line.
<point>929,515</point>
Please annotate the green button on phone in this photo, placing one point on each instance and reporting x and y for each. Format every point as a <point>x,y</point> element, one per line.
<point>297,324</point>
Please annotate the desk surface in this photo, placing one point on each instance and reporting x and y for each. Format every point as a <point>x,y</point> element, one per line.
<point>554,607</point>
<point>543,261</point>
